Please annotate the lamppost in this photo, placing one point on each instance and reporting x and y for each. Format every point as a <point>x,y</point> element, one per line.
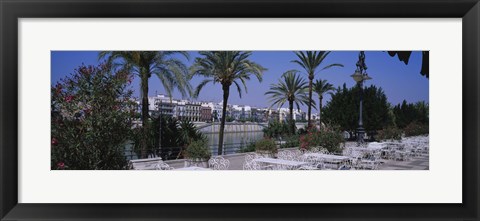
<point>360,76</point>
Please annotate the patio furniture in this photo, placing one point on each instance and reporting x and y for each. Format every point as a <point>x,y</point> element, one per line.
<point>294,155</point>
<point>250,164</point>
<point>346,166</point>
<point>145,164</point>
<point>329,160</point>
<point>280,163</point>
<point>369,162</point>
<point>313,163</point>
<point>218,163</point>
<point>285,155</point>
<point>318,149</point>
<point>318,166</point>
<point>163,166</point>
<point>370,149</point>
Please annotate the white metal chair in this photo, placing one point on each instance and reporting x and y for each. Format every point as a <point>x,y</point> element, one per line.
<point>218,163</point>
<point>163,166</point>
<point>144,164</point>
<point>251,164</point>
<point>286,155</point>
<point>370,162</point>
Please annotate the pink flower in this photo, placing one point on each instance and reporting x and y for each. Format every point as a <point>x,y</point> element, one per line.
<point>60,165</point>
<point>54,141</point>
<point>69,98</point>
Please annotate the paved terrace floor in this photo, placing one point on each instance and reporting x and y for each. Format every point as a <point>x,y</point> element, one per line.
<point>416,163</point>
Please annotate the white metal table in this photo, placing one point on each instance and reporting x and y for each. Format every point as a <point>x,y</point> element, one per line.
<point>328,156</point>
<point>370,148</point>
<point>329,160</point>
<point>281,162</point>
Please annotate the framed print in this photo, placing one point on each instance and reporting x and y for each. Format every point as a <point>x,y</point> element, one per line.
<point>256,110</point>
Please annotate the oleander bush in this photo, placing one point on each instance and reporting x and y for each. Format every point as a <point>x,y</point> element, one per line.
<point>91,119</point>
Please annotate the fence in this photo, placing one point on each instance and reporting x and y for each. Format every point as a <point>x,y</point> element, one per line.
<point>171,153</point>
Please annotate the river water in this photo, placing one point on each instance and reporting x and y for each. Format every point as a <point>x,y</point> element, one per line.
<point>233,141</point>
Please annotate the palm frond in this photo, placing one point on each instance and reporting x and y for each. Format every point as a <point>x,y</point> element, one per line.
<point>200,86</point>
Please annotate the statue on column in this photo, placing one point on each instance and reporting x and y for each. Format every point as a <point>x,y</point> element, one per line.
<point>361,66</point>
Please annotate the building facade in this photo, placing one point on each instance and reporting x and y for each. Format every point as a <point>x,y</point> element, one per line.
<point>212,112</point>
<point>205,114</point>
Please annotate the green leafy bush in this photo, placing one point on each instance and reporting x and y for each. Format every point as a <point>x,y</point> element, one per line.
<point>327,138</point>
<point>276,129</point>
<point>249,148</point>
<point>198,150</point>
<point>91,119</point>
<point>266,145</point>
<point>415,129</point>
<point>406,113</point>
<point>291,141</point>
<point>175,136</point>
<point>342,109</point>
<point>389,133</point>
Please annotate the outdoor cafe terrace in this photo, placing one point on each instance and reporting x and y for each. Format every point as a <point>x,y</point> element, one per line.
<point>410,154</point>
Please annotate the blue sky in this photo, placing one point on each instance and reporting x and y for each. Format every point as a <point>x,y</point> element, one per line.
<point>399,81</point>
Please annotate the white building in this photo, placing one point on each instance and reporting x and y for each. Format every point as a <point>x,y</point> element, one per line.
<point>284,114</point>
<point>187,110</point>
<point>161,103</point>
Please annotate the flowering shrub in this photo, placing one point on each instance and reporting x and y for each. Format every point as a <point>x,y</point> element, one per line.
<point>415,129</point>
<point>390,133</point>
<point>91,112</point>
<point>266,145</point>
<point>307,140</point>
<point>327,138</point>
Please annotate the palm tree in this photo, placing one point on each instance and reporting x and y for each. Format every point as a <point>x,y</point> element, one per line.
<point>226,68</point>
<point>292,89</point>
<point>170,70</point>
<point>322,87</point>
<point>310,61</point>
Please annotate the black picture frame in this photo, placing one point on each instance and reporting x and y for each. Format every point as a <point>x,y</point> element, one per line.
<point>11,11</point>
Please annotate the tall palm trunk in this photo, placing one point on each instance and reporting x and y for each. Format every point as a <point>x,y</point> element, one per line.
<point>160,130</point>
<point>292,123</point>
<point>144,142</point>
<point>310,88</point>
<point>320,112</point>
<point>226,92</point>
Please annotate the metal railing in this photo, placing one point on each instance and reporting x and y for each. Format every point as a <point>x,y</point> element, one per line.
<point>172,153</point>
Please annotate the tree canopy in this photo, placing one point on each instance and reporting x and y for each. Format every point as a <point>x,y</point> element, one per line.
<point>343,109</point>
<point>406,113</point>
